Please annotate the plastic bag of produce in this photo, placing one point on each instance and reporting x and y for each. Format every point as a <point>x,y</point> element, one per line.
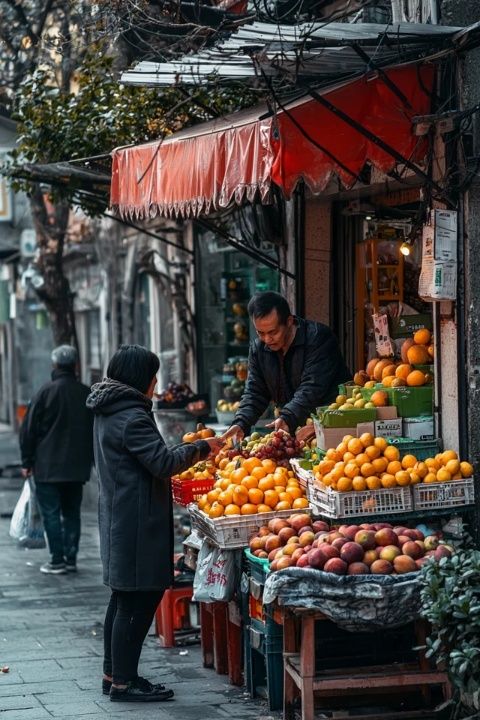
<point>26,525</point>
<point>359,603</point>
<point>217,574</point>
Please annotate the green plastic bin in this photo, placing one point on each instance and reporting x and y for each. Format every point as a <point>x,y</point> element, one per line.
<point>345,418</point>
<point>422,449</point>
<point>413,401</point>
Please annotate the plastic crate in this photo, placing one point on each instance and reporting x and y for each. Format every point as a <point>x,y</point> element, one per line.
<point>303,474</point>
<point>189,491</point>
<point>422,449</point>
<point>345,418</point>
<point>234,531</point>
<point>413,401</point>
<point>336,505</point>
<point>457,493</point>
<point>258,568</point>
<point>264,665</point>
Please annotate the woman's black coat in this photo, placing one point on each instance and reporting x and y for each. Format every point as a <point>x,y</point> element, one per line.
<point>134,467</point>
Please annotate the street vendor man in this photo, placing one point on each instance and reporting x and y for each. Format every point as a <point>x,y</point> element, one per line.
<point>293,362</point>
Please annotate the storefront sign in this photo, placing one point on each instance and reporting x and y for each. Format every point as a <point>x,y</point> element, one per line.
<point>438,277</point>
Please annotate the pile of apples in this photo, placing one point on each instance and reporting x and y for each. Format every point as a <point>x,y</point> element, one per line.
<point>366,549</point>
<point>370,463</point>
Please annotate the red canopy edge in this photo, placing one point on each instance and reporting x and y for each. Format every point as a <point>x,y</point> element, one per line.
<point>191,174</point>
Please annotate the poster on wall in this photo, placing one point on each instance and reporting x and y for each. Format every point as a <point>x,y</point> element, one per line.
<point>438,277</point>
<point>5,197</point>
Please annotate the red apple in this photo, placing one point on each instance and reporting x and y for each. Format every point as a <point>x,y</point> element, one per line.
<point>386,536</point>
<point>366,538</point>
<point>404,564</point>
<point>358,568</point>
<point>381,567</point>
<point>390,552</point>
<point>412,550</point>
<point>335,565</point>
<point>352,552</point>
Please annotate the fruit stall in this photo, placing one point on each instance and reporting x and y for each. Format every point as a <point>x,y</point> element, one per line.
<point>326,538</point>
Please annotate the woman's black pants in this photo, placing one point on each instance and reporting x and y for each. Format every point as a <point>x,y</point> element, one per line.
<point>128,619</point>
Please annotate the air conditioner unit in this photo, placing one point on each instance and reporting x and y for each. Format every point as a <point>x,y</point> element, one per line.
<point>28,243</point>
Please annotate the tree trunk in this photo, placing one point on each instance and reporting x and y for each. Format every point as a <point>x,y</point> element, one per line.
<point>51,225</point>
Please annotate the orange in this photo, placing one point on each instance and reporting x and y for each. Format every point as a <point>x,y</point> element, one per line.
<point>240,495</point>
<point>202,501</point>
<point>355,446</point>
<point>403,371</point>
<point>453,466</point>
<point>347,438</point>
<point>418,355</point>
<point>380,464</point>
<point>387,381</point>
<point>379,398</point>
<point>390,452</point>
<point>366,439</point>
<point>342,448</point>
<point>416,378</point>
<point>248,509</point>
<point>269,465</point>
<point>266,483</point>
<point>388,480</point>
<point>270,498</point>
<point>348,456</point>
<point>373,482</point>
<point>250,463</point>
<point>466,469</point>
<point>223,463</point>
<point>443,475</point>
<point>327,479</point>
<point>421,469</point>
<point>213,495</point>
<point>380,443</point>
<point>224,483</point>
<point>216,510</point>
<point>332,454</point>
<point>373,452</point>
<point>280,481</point>
<point>300,503</point>
<point>259,472</point>
<point>449,455</point>
<point>367,469</point>
<point>238,474</point>
<point>255,496</point>
<point>295,492</point>
<point>394,466</point>
<point>403,478</point>
<point>409,461</point>
<point>262,508</point>
<point>430,477</point>
<point>225,497</point>
<point>283,505</point>
<point>249,482</point>
<point>325,466</point>
<point>422,336</point>
<point>359,483</point>
<point>282,472</point>
<point>432,464</point>
<point>233,510</point>
<point>279,488</point>
<point>351,469</point>
<point>362,458</point>
<point>344,484</point>
<point>414,477</point>
<point>285,496</point>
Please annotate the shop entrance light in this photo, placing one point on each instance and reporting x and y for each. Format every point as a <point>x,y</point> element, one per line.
<point>406,248</point>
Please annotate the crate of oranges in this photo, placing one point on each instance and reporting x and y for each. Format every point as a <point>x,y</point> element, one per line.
<point>246,494</point>
<point>190,485</point>
<point>446,482</point>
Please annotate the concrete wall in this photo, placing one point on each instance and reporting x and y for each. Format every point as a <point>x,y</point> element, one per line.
<point>318,234</point>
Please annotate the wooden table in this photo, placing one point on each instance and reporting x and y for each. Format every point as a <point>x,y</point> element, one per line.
<point>300,676</point>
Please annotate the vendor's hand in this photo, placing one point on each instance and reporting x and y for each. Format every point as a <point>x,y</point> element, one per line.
<point>26,472</point>
<point>216,444</point>
<point>279,424</point>
<point>235,431</point>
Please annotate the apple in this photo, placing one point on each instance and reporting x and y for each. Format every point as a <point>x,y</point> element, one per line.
<point>381,567</point>
<point>299,520</point>
<point>358,568</point>
<point>365,538</point>
<point>390,552</point>
<point>352,552</point>
<point>335,565</point>
<point>412,550</point>
<point>386,536</point>
<point>320,526</point>
<point>370,557</point>
<point>404,564</point>
<point>431,542</point>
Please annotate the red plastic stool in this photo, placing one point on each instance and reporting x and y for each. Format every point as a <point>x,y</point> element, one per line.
<point>173,614</point>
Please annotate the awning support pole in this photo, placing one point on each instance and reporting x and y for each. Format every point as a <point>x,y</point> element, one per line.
<point>388,82</point>
<point>381,144</point>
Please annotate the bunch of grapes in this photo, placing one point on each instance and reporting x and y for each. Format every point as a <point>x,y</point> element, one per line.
<point>279,447</point>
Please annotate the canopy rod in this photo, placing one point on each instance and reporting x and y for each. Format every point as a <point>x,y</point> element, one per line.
<point>381,144</point>
<point>255,254</point>
<point>383,75</point>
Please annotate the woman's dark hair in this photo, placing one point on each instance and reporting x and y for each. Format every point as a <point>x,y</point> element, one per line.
<point>133,365</point>
<point>263,303</point>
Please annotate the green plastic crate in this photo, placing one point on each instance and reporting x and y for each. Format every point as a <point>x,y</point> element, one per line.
<point>345,418</point>
<point>347,389</point>
<point>422,449</point>
<point>259,567</point>
<point>413,401</point>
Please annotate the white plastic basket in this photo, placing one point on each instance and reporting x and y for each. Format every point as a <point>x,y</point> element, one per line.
<point>235,531</point>
<point>457,493</point>
<point>336,505</point>
<point>303,476</point>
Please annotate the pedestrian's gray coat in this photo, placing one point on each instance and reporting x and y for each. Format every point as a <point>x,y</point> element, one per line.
<point>134,467</point>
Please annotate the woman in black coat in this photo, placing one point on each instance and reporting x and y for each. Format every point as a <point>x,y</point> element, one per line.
<point>135,513</point>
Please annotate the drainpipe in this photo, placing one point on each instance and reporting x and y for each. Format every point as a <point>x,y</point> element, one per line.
<point>461,337</point>
<point>434,12</point>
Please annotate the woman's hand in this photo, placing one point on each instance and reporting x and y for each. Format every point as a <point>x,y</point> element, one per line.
<point>216,444</point>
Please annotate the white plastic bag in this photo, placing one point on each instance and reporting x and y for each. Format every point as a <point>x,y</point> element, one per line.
<point>26,525</point>
<point>216,574</point>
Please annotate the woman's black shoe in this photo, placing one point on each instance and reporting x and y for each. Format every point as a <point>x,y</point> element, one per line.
<point>140,690</point>
<point>107,684</point>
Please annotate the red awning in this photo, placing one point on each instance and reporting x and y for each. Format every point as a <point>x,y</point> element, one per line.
<point>210,166</point>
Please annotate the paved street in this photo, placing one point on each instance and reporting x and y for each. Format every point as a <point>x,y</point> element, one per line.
<point>51,639</point>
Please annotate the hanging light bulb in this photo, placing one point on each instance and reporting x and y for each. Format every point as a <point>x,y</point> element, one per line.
<point>406,248</point>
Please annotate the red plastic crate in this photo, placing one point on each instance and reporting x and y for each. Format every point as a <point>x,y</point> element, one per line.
<point>188,491</point>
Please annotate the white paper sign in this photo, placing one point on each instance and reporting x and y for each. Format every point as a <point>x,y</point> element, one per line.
<point>383,342</point>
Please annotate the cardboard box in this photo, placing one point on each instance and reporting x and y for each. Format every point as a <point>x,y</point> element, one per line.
<point>389,412</point>
<point>419,428</point>
<point>367,427</point>
<point>330,437</point>
<point>389,428</point>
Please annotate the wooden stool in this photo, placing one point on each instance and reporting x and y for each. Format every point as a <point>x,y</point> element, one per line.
<point>172,612</point>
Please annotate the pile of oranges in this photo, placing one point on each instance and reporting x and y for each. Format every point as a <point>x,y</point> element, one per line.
<point>370,463</point>
<point>247,486</point>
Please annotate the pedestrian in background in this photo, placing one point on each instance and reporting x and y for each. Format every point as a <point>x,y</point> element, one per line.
<point>56,444</point>
<point>134,467</point>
